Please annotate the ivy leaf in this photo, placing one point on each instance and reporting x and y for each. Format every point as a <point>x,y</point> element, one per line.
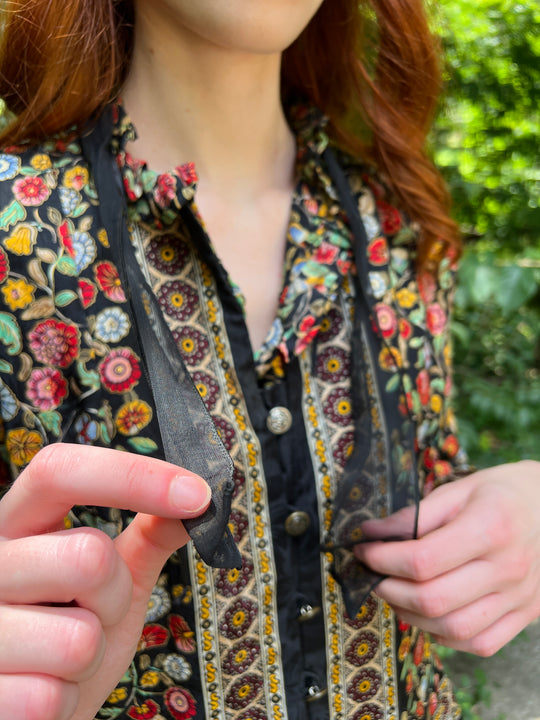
<point>66,266</point>
<point>6,367</point>
<point>517,285</point>
<point>10,333</point>
<point>13,214</point>
<point>393,384</point>
<point>143,445</point>
<point>88,377</point>
<point>52,421</point>
<point>65,297</point>
<point>44,307</point>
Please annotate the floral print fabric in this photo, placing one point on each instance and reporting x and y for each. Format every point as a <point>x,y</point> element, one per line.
<point>70,370</point>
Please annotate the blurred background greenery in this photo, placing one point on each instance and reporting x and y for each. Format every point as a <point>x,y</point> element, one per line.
<point>486,142</point>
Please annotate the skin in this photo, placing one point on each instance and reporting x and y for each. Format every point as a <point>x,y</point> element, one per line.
<point>474,571</point>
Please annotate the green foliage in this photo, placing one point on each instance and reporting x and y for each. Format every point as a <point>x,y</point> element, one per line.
<point>486,143</point>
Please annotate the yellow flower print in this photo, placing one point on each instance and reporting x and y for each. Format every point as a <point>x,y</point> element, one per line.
<point>103,238</point>
<point>390,359</point>
<point>117,695</point>
<point>22,239</point>
<point>436,403</point>
<point>22,445</point>
<point>149,679</point>
<point>133,416</point>
<point>76,177</point>
<point>18,293</point>
<point>406,298</point>
<point>41,161</point>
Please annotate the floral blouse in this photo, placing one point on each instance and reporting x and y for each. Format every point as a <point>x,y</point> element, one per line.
<point>272,639</point>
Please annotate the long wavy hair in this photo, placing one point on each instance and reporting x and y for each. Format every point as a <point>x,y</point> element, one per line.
<point>372,66</point>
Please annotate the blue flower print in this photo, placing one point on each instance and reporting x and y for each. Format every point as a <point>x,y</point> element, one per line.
<point>158,605</point>
<point>69,199</point>
<point>112,325</point>
<point>85,250</point>
<point>379,283</point>
<point>9,166</point>
<point>372,226</point>
<point>86,429</point>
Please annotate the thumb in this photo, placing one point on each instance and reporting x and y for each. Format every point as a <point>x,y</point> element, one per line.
<point>146,545</point>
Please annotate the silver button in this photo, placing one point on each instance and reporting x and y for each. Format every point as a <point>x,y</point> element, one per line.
<point>297,523</point>
<point>314,692</point>
<point>308,612</point>
<point>279,420</point>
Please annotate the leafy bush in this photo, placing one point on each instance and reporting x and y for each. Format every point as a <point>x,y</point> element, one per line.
<point>486,143</point>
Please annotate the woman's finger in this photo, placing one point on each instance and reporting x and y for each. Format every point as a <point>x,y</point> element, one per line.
<point>26,697</point>
<point>63,475</point>
<point>493,638</point>
<point>443,594</point>
<point>65,642</point>
<point>462,539</point>
<point>79,566</point>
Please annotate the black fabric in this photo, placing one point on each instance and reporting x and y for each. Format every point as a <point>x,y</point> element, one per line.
<point>189,437</point>
<point>358,498</point>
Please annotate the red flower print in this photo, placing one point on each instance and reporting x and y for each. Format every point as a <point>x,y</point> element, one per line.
<point>120,370</point>
<point>403,626</point>
<point>238,618</point>
<point>241,656</point>
<point>46,388</point>
<point>422,383</point>
<point>390,218</point>
<point>108,280</point>
<point>378,251</point>
<point>386,320</point>
<point>442,469</point>
<point>165,190</point>
<point>420,711</point>
<point>409,682</point>
<point>4,265</point>
<point>31,191</point>
<point>243,691</point>
<point>427,287</point>
<point>152,636</point>
<point>435,319</point>
<point>326,253</point>
<point>66,239</point>
<point>146,711</point>
<point>231,582</point>
<point>364,685</point>
<point>432,703</point>
<point>87,292</point>
<point>187,173</point>
<point>370,711</point>
<point>451,446</point>
<point>180,703</point>
<point>430,456</point>
<point>54,343</point>
<point>405,328</point>
<point>418,652</point>
<point>183,635</point>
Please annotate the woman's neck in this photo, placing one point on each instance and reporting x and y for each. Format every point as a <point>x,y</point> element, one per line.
<point>192,100</point>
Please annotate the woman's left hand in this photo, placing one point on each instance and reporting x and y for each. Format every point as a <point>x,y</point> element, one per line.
<point>472,579</point>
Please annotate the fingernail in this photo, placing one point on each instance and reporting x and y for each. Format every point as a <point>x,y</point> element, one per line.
<point>189,492</point>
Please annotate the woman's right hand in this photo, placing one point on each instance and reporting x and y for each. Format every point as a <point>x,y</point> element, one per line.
<point>73,602</point>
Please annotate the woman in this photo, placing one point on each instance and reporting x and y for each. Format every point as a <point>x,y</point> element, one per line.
<point>336,416</point>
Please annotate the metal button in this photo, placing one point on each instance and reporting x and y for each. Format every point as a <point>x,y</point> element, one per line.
<point>297,523</point>
<point>308,612</point>
<point>279,420</point>
<point>314,692</point>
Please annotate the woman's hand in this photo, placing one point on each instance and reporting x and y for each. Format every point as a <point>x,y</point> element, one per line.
<point>73,602</point>
<point>472,579</point>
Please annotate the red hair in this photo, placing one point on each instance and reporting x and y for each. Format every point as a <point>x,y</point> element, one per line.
<point>374,72</point>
